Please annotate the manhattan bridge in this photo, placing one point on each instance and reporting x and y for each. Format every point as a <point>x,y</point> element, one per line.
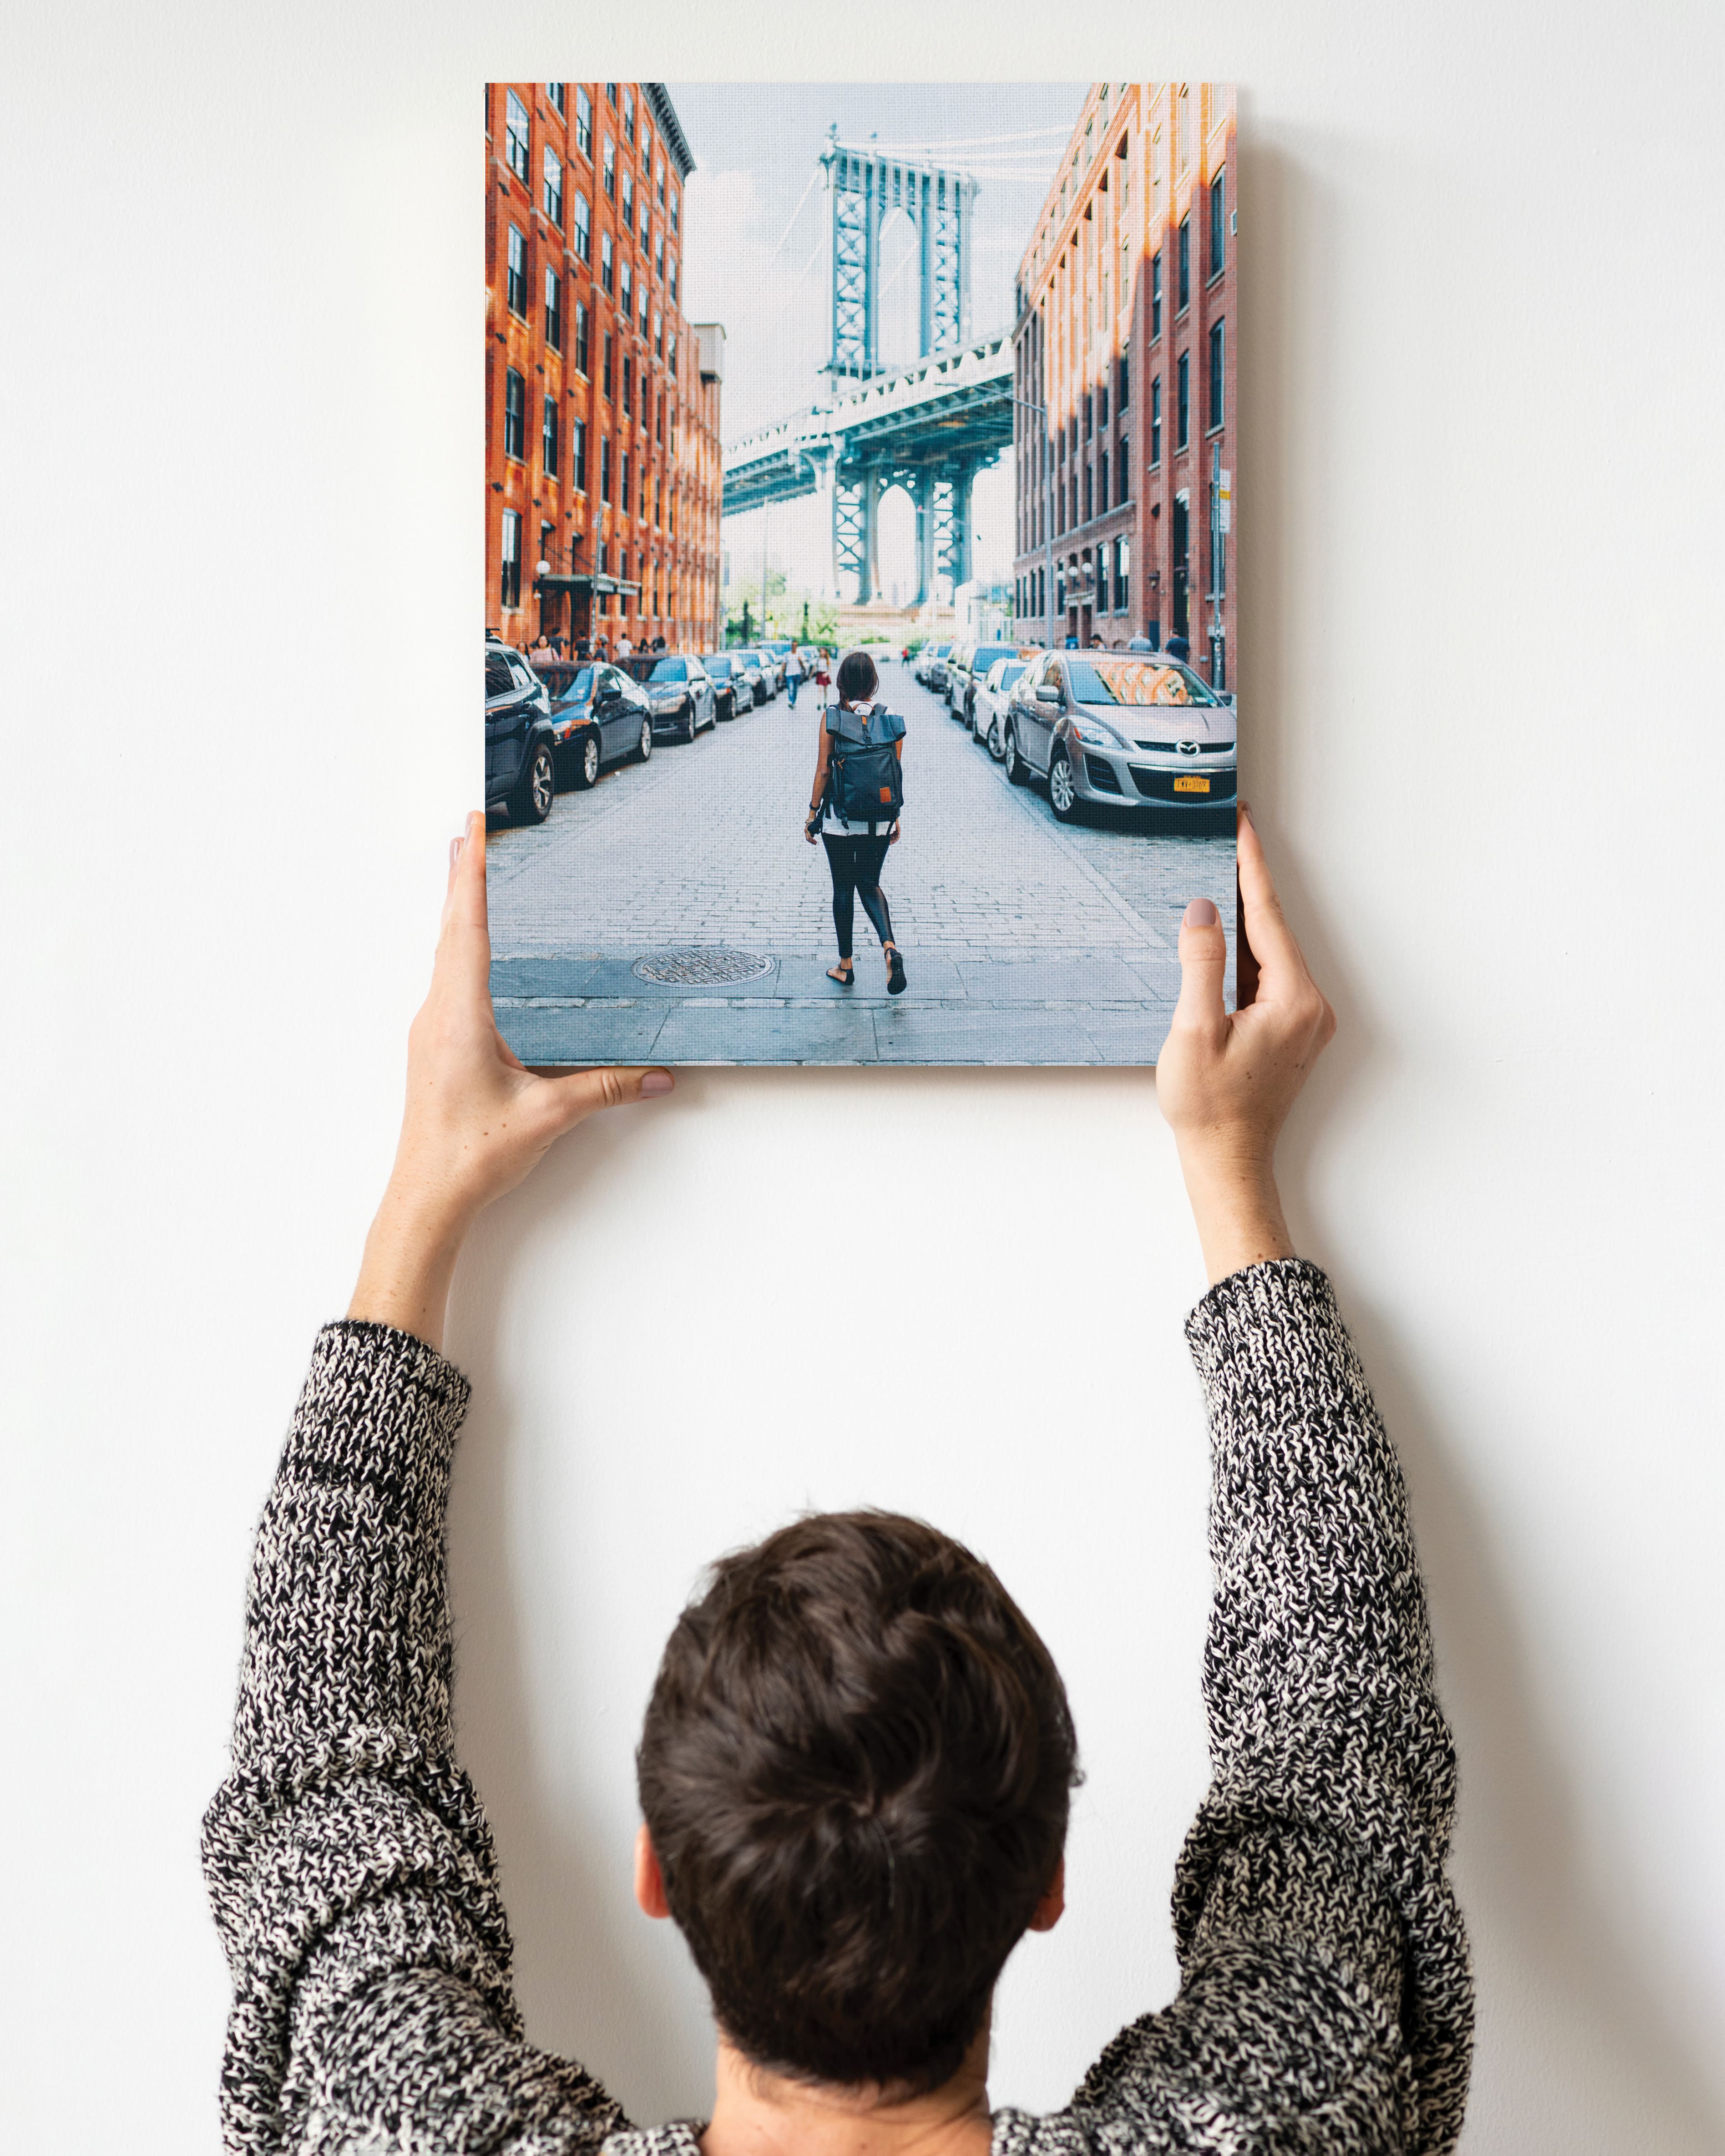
<point>928,426</point>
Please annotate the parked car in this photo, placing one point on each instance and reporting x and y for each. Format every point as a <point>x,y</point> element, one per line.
<point>598,716</point>
<point>931,669</point>
<point>988,706</point>
<point>758,674</point>
<point>964,675</point>
<point>957,674</point>
<point>1104,726</point>
<point>680,692</point>
<point>732,692</point>
<point>521,755</point>
<point>772,657</point>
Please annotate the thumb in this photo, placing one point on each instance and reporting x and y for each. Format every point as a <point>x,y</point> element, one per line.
<point>577,1097</point>
<point>1204,967</point>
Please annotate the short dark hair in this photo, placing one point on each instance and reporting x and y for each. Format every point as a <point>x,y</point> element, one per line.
<point>857,677</point>
<point>856,1767</point>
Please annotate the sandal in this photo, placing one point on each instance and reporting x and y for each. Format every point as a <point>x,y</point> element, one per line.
<point>845,980</point>
<point>894,971</point>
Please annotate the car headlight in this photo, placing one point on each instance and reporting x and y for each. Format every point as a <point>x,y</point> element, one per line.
<point>1094,735</point>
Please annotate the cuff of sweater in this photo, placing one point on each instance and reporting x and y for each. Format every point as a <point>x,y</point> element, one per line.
<point>1263,1321</point>
<point>378,1407</point>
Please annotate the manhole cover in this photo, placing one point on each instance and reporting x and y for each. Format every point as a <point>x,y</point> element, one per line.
<point>703,968</point>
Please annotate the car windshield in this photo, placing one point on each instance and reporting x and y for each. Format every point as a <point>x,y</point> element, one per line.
<point>670,669</point>
<point>987,653</point>
<point>942,649</point>
<point>1158,680</point>
<point>1007,670</point>
<point>717,666</point>
<point>748,658</point>
<point>577,690</point>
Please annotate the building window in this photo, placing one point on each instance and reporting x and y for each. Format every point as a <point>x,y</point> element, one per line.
<point>611,93</point>
<point>554,91</point>
<point>1183,294</point>
<point>625,301</point>
<point>514,416</point>
<point>643,304</point>
<point>673,210</point>
<point>1155,294</point>
<point>517,273</point>
<point>509,584</point>
<point>628,115</point>
<point>659,333</point>
<point>1088,498</point>
<point>671,364</point>
<point>660,171</point>
<point>610,168</point>
<point>515,137</point>
<point>646,144</point>
<point>1103,481</point>
<point>604,468</point>
<point>583,122</point>
<point>554,188</point>
<point>581,336</point>
<point>1218,222</point>
<point>1123,472</point>
<point>659,255</point>
<point>610,347</point>
<point>629,386</point>
<point>548,438</point>
<point>1156,423</point>
<point>1213,416</point>
<point>1122,577</point>
<point>672,284</point>
<point>608,280</point>
<point>623,490</point>
<point>1183,400</point>
<point>1124,382</point>
<point>628,203</point>
<point>578,453</point>
<point>584,229</point>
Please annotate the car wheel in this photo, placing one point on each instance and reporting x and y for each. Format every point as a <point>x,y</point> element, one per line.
<point>643,748</point>
<point>686,732</point>
<point>587,761</point>
<point>1062,792</point>
<point>997,747</point>
<point>537,788</point>
<point>1017,772</point>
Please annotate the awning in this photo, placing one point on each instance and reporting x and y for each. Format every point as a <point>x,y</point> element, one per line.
<point>586,583</point>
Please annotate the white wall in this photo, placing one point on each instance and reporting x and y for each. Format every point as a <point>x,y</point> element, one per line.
<point>1479,501</point>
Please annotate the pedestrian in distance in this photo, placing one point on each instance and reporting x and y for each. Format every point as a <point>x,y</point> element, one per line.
<point>1141,644</point>
<point>792,674</point>
<point>823,678</point>
<point>542,646</point>
<point>1178,648</point>
<point>858,797</point>
<point>624,648</point>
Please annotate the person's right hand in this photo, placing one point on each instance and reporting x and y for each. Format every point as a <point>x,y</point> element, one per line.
<point>1226,1081</point>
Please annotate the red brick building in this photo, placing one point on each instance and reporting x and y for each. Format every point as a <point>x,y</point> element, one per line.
<point>1126,335</point>
<point>602,429</point>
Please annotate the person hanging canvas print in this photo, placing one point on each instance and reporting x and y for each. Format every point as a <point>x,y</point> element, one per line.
<point>843,431</point>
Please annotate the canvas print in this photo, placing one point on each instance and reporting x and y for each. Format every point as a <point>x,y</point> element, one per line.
<point>861,583</point>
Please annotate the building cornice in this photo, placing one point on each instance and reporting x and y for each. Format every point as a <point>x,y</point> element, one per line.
<point>671,128</point>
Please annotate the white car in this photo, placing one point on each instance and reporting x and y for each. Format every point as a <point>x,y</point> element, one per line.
<point>988,720</point>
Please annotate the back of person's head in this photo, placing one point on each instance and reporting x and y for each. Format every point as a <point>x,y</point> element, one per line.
<point>856,1771</point>
<point>858,679</point>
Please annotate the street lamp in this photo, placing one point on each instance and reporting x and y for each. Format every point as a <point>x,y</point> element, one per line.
<point>1047,508</point>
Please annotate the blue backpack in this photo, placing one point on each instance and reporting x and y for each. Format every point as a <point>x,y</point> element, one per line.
<point>864,777</point>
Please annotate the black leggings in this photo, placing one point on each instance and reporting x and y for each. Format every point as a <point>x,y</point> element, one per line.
<point>856,864</point>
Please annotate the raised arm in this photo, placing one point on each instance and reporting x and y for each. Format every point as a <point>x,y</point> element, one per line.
<point>1325,1998</point>
<point>346,1856</point>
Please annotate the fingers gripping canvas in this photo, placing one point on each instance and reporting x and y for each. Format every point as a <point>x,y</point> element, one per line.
<point>860,585</point>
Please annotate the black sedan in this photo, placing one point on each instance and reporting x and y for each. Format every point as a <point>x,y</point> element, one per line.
<point>732,692</point>
<point>598,716</point>
<point>679,691</point>
<point>520,761</point>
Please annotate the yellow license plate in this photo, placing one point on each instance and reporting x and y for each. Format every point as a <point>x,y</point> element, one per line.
<point>1192,786</point>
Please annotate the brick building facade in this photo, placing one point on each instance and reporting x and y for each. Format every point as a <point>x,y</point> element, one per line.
<point>602,418</point>
<point>1125,335</point>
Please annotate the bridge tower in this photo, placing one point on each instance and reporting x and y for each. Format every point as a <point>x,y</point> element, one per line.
<point>863,185</point>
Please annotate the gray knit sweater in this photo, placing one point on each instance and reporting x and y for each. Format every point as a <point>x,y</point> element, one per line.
<point>1325,2002</point>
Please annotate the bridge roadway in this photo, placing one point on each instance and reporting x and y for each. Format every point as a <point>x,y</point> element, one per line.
<point>953,410</point>
<point>1026,940</point>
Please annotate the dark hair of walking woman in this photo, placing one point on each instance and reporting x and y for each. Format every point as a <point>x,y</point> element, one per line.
<point>856,726</point>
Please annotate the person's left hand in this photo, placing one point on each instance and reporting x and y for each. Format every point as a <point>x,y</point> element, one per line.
<point>476,1121</point>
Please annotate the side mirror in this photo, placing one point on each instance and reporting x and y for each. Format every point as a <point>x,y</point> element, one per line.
<point>1048,692</point>
<point>1228,698</point>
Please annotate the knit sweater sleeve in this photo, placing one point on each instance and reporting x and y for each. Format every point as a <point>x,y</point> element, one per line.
<point>346,1856</point>
<point>1325,1999</point>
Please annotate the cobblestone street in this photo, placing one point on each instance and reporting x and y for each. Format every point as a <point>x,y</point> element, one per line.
<point>1026,940</point>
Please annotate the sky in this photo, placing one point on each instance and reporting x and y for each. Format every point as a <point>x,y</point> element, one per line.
<point>755,259</point>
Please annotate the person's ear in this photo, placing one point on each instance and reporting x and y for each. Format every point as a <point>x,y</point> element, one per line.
<point>650,1880</point>
<point>1049,1910</point>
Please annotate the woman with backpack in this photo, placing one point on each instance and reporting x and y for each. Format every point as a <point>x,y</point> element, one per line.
<point>859,795</point>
